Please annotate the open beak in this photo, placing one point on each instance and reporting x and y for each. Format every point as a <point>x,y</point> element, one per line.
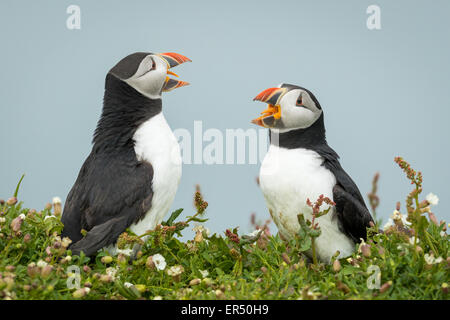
<point>173,59</point>
<point>271,96</point>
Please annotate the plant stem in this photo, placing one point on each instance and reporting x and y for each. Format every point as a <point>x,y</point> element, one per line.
<point>313,248</point>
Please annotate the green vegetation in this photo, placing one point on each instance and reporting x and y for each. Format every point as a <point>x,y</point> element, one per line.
<point>410,259</point>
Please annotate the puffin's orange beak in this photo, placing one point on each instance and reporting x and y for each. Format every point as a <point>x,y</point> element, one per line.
<point>273,112</point>
<point>173,59</point>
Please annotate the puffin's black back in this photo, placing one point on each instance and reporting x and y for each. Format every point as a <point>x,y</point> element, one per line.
<point>113,189</point>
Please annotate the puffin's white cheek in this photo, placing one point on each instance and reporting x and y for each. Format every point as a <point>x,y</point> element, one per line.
<point>150,84</point>
<point>298,118</point>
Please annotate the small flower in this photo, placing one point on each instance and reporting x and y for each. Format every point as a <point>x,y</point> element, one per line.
<point>66,259</point>
<point>204,273</point>
<point>413,239</point>
<point>16,224</point>
<point>41,263</point>
<point>66,242</point>
<point>157,298</point>
<point>396,216</point>
<point>106,278</point>
<point>198,237</point>
<point>46,270</point>
<point>442,233</point>
<point>175,270</point>
<point>365,249</point>
<point>200,228</point>
<point>430,259</point>
<point>2,220</point>
<point>11,201</point>
<point>232,236</point>
<point>111,272</point>
<point>336,266</point>
<point>57,206</point>
<point>56,200</point>
<point>159,261</point>
<point>253,234</point>
<point>432,199</point>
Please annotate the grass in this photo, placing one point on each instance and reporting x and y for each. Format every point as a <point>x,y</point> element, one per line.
<point>410,260</point>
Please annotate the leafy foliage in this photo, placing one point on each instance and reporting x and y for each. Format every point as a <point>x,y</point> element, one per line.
<point>411,260</point>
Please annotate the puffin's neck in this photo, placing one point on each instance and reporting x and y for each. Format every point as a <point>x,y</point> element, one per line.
<point>307,138</point>
<point>124,110</point>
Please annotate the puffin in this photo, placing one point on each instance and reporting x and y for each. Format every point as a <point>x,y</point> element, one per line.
<point>130,178</point>
<point>300,165</point>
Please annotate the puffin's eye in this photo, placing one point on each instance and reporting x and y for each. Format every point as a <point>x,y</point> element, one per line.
<point>299,102</point>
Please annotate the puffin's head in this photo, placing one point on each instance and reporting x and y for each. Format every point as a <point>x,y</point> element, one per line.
<point>290,107</point>
<point>148,72</point>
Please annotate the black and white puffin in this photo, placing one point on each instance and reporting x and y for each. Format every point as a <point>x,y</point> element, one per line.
<point>299,165</point>
<point>130,178</point>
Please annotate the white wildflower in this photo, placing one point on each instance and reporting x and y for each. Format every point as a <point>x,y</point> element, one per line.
<point>128,285</point>
<point>159,261</point>
<point>66,242</point>
<point>22,216</point>
<point>396,215</point>
<point>254,233</point>
<point>41,263</point>
<point>432,199</point>
<point>2,220</point>
<point>443,233</point>
<point>175,270</point>
<point>412,239</point>
<point>56,200</point>
<point>157,298</point>
<point>200,228</point>
<point>204,273</point>
<point>430,259</point>
<point>49,216</point>
<point>111,271</point>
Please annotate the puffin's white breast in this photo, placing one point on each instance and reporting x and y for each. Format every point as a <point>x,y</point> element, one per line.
<point>156,144</point>
<point>288,177</point>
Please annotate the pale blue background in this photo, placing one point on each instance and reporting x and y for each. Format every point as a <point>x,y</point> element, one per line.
<point>384,93</point>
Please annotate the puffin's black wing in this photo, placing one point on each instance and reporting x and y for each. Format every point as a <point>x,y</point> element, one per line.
<point>111,193</point>
<point>352,213</point>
